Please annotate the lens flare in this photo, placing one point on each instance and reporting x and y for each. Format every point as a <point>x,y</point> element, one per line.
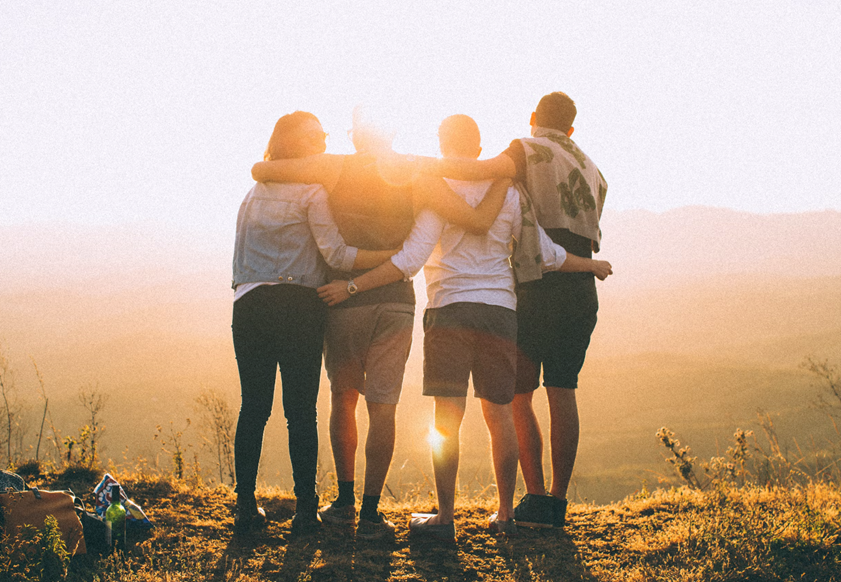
<point>435,439</point>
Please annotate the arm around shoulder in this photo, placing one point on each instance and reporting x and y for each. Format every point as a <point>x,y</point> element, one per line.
<point>502,166</point>
<point>433,193</point>
<point>318,169</point>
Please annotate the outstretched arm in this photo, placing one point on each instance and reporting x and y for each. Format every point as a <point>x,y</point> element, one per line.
<point>370,259</point>
<point>433,193</point>
<point>318,169</point>
<point>336,291</point>
<point>405,264</point>
<point>576,264</point>
<point>501,166</point>
<point>554,257</point>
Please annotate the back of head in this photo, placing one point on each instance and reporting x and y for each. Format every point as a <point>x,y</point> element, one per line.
<point>555,111</point>
<point>458,137</point>
<point>285,141</point>
<point>370,133</point>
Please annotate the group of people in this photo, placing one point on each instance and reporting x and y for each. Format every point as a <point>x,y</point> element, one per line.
<point>326,247</point>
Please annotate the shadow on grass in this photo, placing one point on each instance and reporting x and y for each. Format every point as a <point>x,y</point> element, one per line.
<point>546,555</point>
<point>438,561</point>
<point>330,554</point>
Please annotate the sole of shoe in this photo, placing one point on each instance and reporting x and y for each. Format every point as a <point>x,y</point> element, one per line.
<point>337,521</point>
<point>440,533</point>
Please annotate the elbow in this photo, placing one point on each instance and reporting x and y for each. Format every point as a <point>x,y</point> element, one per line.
<point>257,172</point>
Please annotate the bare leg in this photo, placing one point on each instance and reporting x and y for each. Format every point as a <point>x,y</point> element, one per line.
<point>500,421</point>
<point>343,433</point>
<point>449,412</point>
<point>530,443</point>
<point>379,446</point>
<point>563,412</point>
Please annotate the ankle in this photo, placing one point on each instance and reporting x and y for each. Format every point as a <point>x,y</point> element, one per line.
<point>346,495</point>
<point>370,508</point>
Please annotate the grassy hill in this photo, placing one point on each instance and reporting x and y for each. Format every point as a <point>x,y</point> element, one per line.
<point>727,533</point>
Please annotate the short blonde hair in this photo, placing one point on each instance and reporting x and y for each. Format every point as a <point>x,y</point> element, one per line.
<point>459,134</point>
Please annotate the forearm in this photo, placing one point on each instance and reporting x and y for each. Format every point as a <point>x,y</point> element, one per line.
<point>370,259</point>
<point>287,170</point>
<point>433,193</point>
<point>383,275</point>
<point>318,169</point>
<point>336,291</point>
<point>576,264</point>
<point>468,169</point>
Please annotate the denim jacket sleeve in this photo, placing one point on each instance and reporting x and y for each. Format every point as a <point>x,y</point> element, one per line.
<point>333,248</point>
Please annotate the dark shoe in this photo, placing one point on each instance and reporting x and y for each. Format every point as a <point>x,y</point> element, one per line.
<point>342,516</point>
<point>247,515</point>
<point>305,524</point>
<point>374,530</point>
<point>559,512</point>
<point>535,511</point>
<point>306,520</point>
<point>420,527</point>
<point>502,528</point>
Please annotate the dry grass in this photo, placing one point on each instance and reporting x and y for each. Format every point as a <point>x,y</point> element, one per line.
<point>729,533</point>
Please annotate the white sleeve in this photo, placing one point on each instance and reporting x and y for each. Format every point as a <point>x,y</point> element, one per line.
<point>552,256</point>
<point>333,248</point>
<point>419,244</point>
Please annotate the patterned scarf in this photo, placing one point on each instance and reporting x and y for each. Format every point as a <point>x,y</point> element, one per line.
<point>566,187</point>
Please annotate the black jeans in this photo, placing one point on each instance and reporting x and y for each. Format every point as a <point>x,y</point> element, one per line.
<point>278,325</point>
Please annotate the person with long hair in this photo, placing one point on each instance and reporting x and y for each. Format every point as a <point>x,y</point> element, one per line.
<point>286,239</point>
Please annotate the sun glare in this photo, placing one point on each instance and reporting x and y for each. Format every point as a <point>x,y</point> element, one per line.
<point>435,439</point>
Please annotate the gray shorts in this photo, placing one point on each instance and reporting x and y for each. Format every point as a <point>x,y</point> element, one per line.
<point>464,338</point>
<point>366,348</point>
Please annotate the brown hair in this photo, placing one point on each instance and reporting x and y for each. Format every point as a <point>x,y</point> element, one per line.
<point>280,145</point>
<point>555,111</point>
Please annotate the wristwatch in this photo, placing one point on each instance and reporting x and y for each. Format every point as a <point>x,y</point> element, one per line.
<point>352,289</point>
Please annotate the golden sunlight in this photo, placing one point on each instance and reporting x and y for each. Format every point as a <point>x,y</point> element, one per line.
<point>435,439</point>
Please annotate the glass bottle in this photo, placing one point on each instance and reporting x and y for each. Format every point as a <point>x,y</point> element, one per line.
<point>115,521</point>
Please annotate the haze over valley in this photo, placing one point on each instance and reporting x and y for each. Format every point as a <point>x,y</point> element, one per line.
<point>706,320</point>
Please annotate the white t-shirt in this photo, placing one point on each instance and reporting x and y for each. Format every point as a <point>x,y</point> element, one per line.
<point>464,267</point>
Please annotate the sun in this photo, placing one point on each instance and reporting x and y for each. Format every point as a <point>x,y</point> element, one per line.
<point>435,440</point>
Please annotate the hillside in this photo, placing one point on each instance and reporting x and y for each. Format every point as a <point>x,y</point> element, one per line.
<point>728,534</point>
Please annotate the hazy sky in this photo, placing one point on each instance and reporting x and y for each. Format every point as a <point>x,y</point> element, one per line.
<point>120,112</point>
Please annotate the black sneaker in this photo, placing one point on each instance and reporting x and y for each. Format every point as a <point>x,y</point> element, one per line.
<point>374,530</point>
<point>306,520</point>
<point>559,512</point>
<point>535,511</point>
<point>305,524</point>
<point>247,515</point>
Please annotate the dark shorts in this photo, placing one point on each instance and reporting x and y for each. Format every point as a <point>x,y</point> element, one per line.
<point>555,320</point>
<point>461,338</point>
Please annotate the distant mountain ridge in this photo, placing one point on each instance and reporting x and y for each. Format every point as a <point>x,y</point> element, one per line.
<point>646,248</point>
